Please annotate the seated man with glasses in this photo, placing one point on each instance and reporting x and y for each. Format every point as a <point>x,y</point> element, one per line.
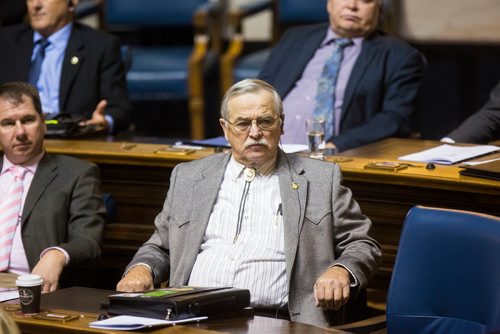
<point>280,225</point>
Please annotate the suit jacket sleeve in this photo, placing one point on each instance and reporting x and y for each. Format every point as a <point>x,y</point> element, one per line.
<point>99,74</point>
<point>113,87</point>
<point>86,222</point>
<point>482,126</point>
<point>64,208</point>
<point>357,250</point>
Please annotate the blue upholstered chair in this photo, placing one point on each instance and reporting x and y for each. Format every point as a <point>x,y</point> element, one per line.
<point>111,207</point>
<point>235,65</point>
<point>446,279</point>
<point>447,274</point>
<point>164,66</point>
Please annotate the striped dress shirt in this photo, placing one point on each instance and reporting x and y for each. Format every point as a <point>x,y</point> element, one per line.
<point>255,260</point>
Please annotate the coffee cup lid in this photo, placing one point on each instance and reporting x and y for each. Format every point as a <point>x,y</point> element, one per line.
<point>29,280</point>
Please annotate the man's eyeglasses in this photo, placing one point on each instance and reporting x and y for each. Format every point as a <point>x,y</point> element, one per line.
<point>265,123</point>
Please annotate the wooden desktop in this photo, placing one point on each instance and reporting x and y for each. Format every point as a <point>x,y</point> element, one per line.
<point>137,175</point>
<point>85,304</point>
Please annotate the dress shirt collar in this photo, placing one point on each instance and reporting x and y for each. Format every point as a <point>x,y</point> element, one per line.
<point>235,168</point>
<point>331,36</point>
<point>58,40</point>
<point>31,165</point>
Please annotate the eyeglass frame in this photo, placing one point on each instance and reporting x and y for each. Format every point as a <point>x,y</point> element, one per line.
<point>272,127</point>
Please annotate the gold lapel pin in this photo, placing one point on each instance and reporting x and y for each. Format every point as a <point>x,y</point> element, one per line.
<point>74,60</point>
<point>295,186</point>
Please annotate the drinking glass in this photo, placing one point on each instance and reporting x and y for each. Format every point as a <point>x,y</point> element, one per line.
<point>315,128</point>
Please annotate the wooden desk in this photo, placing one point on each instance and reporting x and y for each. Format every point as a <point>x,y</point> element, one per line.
<point>85,303</point>
<point>139,178</point>
<point>386,196</point>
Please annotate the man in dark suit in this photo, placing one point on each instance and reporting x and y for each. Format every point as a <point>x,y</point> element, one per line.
<point>81,73</point>
<point>61,215</point>
<point>376,86</point>
<point>482,126</point>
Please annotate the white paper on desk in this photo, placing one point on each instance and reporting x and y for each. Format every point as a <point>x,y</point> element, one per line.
<point>128,322</point>
<point>8,294</point>
<point>450,154</point>
<point>475,163</point>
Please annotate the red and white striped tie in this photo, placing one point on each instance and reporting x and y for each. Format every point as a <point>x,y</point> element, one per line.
<point>10,207</point>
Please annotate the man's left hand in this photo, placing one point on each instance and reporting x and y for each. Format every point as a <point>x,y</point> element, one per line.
<point>50,268</point>
<point>332,288</point>
<point>98,118</point>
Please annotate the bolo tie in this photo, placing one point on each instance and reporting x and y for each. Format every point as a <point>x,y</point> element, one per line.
<point>249,176</point>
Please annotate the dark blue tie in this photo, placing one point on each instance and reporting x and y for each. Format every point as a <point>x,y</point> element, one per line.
<point>36,64</point>
<point>325,97</point>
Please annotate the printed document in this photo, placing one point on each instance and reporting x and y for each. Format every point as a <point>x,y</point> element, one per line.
<point>450,154</point>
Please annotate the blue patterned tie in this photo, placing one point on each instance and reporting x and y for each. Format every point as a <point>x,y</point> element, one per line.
<point>36,65</point>
<point>325,97</point>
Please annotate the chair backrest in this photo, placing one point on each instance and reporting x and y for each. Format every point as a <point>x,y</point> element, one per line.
<point>302,11</point>
<point>289,13</point>
<point>151,12</point>
<point>446,278</point>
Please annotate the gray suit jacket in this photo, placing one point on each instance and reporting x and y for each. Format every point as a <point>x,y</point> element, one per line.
<point>64,208</point>
<point>323,226</point>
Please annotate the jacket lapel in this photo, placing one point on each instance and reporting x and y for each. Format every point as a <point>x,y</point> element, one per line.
<point>293,191</point>
<point>46,172</point>
<point>358,71</point>
<point>303,53</point>
<point>205,193</point>
<point>73,60</point>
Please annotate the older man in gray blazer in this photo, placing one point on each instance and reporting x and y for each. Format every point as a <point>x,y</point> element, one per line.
<point>280,225</point>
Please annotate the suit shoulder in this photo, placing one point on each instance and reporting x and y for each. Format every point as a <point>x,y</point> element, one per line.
<point>393,44</point>
<point>71,163</point>
<point>95,34</point>
<point>13,32</point>
<point>201,164</point>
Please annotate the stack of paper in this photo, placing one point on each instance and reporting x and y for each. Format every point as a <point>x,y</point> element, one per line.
<point>449,154</point>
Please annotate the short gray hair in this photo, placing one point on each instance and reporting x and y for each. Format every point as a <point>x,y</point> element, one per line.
<point>250,86</point>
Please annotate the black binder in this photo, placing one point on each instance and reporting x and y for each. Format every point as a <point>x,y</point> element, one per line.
<point>175,303</point>
<point>488,170</point>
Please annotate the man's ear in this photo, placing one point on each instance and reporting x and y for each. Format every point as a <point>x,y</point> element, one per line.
<point>222,123</point>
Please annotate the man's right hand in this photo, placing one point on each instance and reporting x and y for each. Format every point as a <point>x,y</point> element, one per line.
<point>138,278</point>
